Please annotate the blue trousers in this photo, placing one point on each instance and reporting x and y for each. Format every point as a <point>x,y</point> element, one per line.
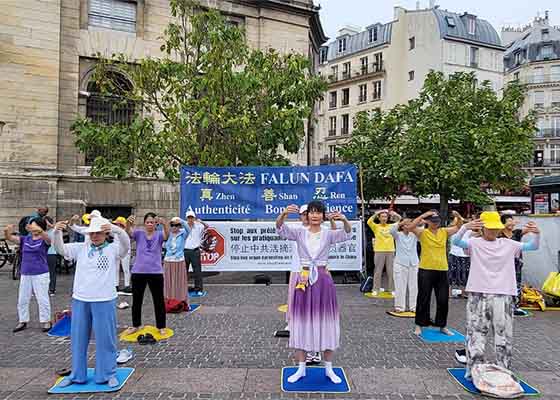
<point>102,317</point>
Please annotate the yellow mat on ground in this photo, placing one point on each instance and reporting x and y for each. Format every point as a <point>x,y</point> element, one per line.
<point>283,308</point>
<point>133,337</point>
<point>382,295</point>
<point>402,314</point>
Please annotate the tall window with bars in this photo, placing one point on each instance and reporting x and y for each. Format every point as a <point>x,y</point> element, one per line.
<point>345,128</point>
<point>342,45</point>
<point>332,126</point>
<point>376,90</point>
<point>109,109</point>
<point>118,15</point>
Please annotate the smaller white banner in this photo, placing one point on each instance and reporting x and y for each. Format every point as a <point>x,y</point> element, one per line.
<point>255,246</point>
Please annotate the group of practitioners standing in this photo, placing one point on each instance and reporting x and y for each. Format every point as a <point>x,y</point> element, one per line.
<point>485,260</point>
<point>491,277</point>
<point>98,259</point>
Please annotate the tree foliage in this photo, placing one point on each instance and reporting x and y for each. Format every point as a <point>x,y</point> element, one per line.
<point>208,100</point>
<point>455,140</point>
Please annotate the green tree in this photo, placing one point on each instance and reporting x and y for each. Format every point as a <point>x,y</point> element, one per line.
<point>208,100</point>
<point>455,139</point>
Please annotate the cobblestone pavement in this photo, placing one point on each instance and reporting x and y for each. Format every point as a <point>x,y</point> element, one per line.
<point>227,350</point>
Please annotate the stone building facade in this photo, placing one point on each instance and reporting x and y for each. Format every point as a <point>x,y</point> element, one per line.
<point>47,57</point>
<point>386,64</point>
<point>533,59</point>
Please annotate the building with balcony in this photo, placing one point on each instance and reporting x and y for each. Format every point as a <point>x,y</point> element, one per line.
<point>533,59</point>
<point>386,64</point>
<point>47,59</point>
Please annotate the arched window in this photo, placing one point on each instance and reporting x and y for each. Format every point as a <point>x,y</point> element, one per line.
<point>109,109</point>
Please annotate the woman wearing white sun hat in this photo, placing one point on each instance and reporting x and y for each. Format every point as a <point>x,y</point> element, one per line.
<point>93,299</point>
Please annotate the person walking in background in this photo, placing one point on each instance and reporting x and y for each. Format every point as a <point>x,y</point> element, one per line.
<point>147,269</point>
<point>175,276</point>
<point>192,249</point>
<point>34,272</point>
<point>52,256</point>
<point>491,287</point>
<point>459,265</point>
<point>124,262</point>
<point>383,247</point>
<point>93,299</point>
<point>432,273</point>
<point>405,268</point>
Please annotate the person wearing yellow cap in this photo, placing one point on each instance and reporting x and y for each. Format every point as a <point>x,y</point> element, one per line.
<point>124,261</point>
<point>491,287</point>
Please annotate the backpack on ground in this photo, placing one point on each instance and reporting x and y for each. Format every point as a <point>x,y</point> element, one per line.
<point>175,306</point>
<point>495,381</point>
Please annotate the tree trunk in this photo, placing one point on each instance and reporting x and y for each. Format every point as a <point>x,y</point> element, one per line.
<point>443,208</point>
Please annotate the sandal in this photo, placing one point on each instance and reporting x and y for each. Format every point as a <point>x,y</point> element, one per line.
<point>146,339</point>
<point>20,327</point>
<point>130,330</point>
<point>63,371</point>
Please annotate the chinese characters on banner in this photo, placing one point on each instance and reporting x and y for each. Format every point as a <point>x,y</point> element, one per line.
<point>255,246</point>
<point>263,192</point>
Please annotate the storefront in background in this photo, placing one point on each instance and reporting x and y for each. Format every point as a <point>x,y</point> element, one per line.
<point>545,195</point>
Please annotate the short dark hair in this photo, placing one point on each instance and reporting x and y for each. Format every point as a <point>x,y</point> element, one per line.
<point>39,221</point>
<point>150,215</point>
<point>505,217</point>
<point>317,206</point>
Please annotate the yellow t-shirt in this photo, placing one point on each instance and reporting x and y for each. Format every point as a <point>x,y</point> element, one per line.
<point>434,250</point>
<point>383,238</point>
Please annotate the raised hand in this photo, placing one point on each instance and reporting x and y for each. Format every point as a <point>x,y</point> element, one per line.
<point>106,228</point>
<point>475,224</point>
<point>131,220</point>
<point>337,216</point>
<point>61,225</point>
<point>291,209</point>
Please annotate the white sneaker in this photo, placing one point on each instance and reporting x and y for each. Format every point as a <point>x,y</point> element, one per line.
<point>381,290</point>
<point>124,356</point>
<point>374,292</point>
<point>393,293</point>
<point>123,305</point>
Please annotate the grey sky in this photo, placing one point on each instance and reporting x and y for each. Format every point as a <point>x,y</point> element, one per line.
<point>337,13</point>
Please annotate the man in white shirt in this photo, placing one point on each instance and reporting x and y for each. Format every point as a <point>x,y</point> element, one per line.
<point>192,248</point>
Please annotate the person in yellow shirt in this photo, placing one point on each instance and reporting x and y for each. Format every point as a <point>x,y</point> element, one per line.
<point>383,247</point>
<point>432,273</point>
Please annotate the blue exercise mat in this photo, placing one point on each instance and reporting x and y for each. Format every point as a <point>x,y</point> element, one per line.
<point>433,335</point>
<point>195,294</point>
<point>315,381</point>
<point>90,386</point>
<point>193,308</point>
<point>468,385</point>
<point>62,327</point>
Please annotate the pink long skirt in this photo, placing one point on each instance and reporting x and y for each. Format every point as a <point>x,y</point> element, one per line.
<point>175,281</point>
<point>291,287</point>
<point>314,320</point>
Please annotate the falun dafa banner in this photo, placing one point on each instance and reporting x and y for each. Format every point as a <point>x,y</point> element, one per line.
<point>262,193</point>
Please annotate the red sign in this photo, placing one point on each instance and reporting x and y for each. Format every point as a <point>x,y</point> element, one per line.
<point>213,247</point>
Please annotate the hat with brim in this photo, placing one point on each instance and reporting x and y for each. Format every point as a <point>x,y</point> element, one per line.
<point>191,213</point>
<point>86,219</point>
<point>491,220</point>
<point>120,220</point>
<point>175,220</point>
<point>303,209</point>
<point>434,219</point>
<point>96,225</point>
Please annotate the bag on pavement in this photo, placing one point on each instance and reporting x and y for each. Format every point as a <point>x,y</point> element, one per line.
<point>495,381</point>
<point>551,285</point>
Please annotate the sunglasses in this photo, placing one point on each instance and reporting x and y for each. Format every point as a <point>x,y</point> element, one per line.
<point>175,225</point>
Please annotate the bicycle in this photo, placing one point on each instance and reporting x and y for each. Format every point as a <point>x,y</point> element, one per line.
<point>12,256</point>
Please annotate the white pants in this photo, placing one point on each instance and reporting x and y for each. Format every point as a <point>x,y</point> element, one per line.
<point>125,264</point>
<point>38,284</point>
<point>405,276</point>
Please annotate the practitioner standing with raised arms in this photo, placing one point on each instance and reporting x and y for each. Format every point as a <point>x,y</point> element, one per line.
<point>314,317</point>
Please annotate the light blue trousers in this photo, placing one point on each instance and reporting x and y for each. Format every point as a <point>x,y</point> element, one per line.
<point>102,317</point>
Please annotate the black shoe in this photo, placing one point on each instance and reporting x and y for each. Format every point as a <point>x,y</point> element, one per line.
<point>46,327</point>
<point>461,356</point>
<point>20,327</point>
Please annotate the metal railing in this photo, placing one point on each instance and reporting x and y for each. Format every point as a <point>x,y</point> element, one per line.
<point>537,79</point>
<point>332,132</point>
<point>357,72</point>
<point>547,133</point>
<point>544,163</point>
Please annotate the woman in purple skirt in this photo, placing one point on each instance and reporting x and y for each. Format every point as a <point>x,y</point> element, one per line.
<point>314,319</point>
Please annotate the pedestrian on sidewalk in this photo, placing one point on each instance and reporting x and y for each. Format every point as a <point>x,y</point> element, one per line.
<point>52,256</point>
<point>124,262</point>
<point>34,271</point>
<point>147,269</point>
<point>432,273</point>
<point>314,316</point>
<point>175,272</point>
<point>459,265</point>
<point>405,268</point>
<point>491,287</point>
<point>383,247</point>
<point>94,299</point>
<point>192,249</point>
